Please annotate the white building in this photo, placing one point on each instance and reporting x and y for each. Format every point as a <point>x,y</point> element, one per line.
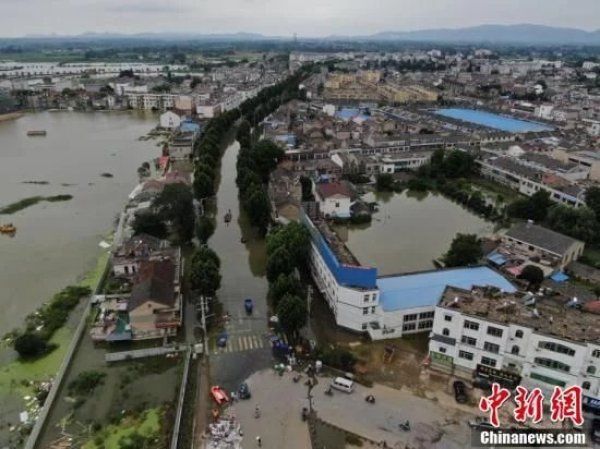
<point>334,198</point>
<point>386,306</point>
<point>169,120</point>
<point>535,341</point>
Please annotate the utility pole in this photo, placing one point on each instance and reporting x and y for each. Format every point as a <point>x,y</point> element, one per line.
<point>308,298</point>
<point>203,323</point>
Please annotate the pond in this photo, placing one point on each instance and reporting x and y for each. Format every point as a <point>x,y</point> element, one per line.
<point>409,230</point>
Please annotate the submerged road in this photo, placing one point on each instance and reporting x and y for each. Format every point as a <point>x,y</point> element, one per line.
<point>242,270</point>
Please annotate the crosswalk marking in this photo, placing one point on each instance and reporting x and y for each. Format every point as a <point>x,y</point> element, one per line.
<point>243,343</point>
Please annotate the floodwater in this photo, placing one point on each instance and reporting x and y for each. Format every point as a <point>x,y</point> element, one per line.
<point>409,231</point>
<point>58,242</point>
<point>243,276</point>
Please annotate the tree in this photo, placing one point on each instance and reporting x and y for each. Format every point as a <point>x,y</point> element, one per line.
<point>592,200</point>
<point>384,182</point>
<point>266,154</point>
<point>258,207</point>
<point>464,250</point>
<point>175,205</point>
<point>533,208</point>
<point>292,314</point>
<point>579,223</point>
<point>280,262</point>
<point>458,164</point>
<point>205,277</point>
<point>203,185</point>
<point>294,237</point>
<point>205,254</point>
<point>149,223</point>
<point>306,184</point>
<point>532,274</point>
<point>285,284</point>
<point>30,345</point>
<point>205,227</point>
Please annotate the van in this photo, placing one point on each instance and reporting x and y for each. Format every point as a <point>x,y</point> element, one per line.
<point>342,384</point>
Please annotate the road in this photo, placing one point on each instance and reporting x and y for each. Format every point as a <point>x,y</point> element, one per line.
<point>242,270</point>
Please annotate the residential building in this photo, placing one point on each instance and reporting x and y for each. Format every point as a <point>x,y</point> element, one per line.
<point>535,341</point>
<point>169,120</point>
<point>334,198</point>
<point>552,248</point>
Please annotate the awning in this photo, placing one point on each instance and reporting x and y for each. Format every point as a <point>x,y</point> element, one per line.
<point>496,258</point>
<point>559,276</point>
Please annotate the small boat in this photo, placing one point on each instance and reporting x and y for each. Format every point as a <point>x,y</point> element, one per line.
<point>36,132</point>
<point>227,217</point>
<point>8,228</point>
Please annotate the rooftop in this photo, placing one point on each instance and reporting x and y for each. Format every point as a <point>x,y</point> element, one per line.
<point>541,237</point>
<point>557,315</point>
<point>425,289</point>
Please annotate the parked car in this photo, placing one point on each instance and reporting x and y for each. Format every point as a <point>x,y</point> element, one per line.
<point>222,340</point>
<point>248,305</point>
<point>460,391</point>
<point>244,391</point>
<point>595,430</point>
<point>219,395</point>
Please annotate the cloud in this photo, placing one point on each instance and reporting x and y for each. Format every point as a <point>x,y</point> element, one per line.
<point>148,7</point>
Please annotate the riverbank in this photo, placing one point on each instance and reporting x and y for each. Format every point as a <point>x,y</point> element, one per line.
<point>11,116</point>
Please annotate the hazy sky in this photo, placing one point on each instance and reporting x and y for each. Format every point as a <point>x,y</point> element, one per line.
<point>284,17</point>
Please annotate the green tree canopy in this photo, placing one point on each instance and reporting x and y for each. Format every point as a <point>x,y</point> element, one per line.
<point>205,227</point>
<point>292,314</point>
<point>294,237</point>
<point>175,205</point>
<point>279,262</point>
<point>285,284</point>
<point>579,223</point>
<point>533,208</point>
<point>465,250</point>
<point>149,223</point>
<point>532,274</point>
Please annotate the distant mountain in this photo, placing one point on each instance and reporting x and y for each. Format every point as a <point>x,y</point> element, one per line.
<point>511,34</point>
<point>523,34</point>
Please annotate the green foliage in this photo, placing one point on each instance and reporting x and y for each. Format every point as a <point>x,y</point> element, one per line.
<point>294,237</point>
<point>278,263</point>
<point>384,182</point>
<point>205,227</point>
<point>203,185</point>
<point>174,205</point>
<point>337,357</point>
<point>464,250</point>
<point>532,274</point>
<point>592,200</point>
<point>579,223</point>
<point>306,184</point>
<point>534,207</point>
<point>204,271</point>
<point>149,223</point>
<point>86,381</point>
<point>292,314</point>
<point>30,345</point>
<point>284,285</point>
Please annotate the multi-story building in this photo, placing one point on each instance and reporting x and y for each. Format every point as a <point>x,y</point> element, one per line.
<point>537,341</point>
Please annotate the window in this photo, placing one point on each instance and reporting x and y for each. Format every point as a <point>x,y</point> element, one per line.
<point>373,309</point>
<point>488,361</point>
<point>445,332</point>
<point>366,298</point>
<point>519,334</point>
<point>494,331</point>
<point>448,317</point>
<point>514,350</point>
<point>591,369</point>
<point>468,340</point>
<point>586,385</point>
<point>596,353</point>
<point>556,347</point>
<point>546,379</point>
<point>425,315</point>
<point>491,347</point>
<point>364,326</point>
<point>471,325</point>
<point>465,355</point>
<point>427,324</point>
<point>365,310</point>
<point>411,317</point>
<point>409,327</point>
<point>552,364</point>
<point>337,204</point>
<point>442,350</point>
<point>374,298</point>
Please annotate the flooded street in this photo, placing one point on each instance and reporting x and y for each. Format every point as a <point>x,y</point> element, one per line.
<point>56,243</point>
<point>409,231</point>
<point>243,276</point>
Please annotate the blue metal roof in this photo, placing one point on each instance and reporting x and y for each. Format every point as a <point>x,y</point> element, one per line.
<point>497,258</point>
<point>189,126</point>
<point>425,289</point>
<point>559,276</point>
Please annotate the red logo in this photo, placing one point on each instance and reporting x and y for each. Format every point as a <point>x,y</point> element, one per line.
<point>564,404</point>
